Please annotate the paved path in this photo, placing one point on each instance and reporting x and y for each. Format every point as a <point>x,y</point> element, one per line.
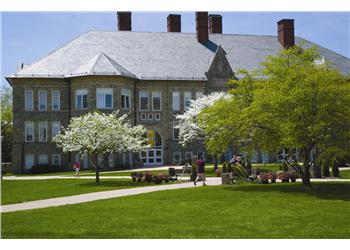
<point>50,177</point>
<point>100,196</point>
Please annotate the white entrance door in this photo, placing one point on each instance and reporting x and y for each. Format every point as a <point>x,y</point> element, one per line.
<point>153,155</point>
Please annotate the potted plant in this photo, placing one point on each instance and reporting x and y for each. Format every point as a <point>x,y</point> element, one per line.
<point>284,177</point>
<point>264,178</point>
<point>273,177</point>
<point>148,176</point>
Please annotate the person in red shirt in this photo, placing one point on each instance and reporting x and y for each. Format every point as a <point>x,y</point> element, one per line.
<point>76,167</point>
<point>200,171</point>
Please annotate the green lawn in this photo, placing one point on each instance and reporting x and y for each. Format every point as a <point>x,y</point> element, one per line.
<point>14,191</point>
<point>345,174</point>
<point>229,211</point>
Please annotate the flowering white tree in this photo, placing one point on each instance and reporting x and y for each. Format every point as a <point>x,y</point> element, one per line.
<point>97,133</point>
<point>190,129</point>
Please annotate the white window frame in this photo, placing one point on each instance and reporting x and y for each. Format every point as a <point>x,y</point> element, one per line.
<point>157,116</point>
<point>150,116</point>
<point>81,92</point>
<point>57,123</point>
<point>39,99</point>
<point>190,153</point>
<point>110,160</point>
<point>202,153</point>
<point>26,125</point>
<point>104,92</point>
<point>143,94</point>
<point>143,117</point>
<point>187,95</point>
<point>26,161</point>
<point>40,126</point>
<point>26,108</point>
<point>154,93</point>
<point>175,123</point>
<point>53,100</point>
<point>45,156</point>
<point>53,159</point>
<point>199,94</point>
<point>125,93</point>
<point>176,100</point>
<point>177,153</point>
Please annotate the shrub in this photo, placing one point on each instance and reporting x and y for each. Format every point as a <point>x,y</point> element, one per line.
<point>272,176</point>
<point>224,167</point>
<point>159,178</point>
<point>230,167</point>
<point>335,168</point>
<point>239,171</point>
<point>293,176</point>
<point>316,171</point>
<point>218,173</point>
<point>284,166</point>
<point>325,168</point>
<point>284,176</point>
<point>134,176</point>
<point>264,178</point>
<point>148,176</point>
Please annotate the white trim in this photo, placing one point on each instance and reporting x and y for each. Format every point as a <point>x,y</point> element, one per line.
<point>53,159</point>
<point>150,116</point>
<point>28,124</point>
<point>45,126</point>
<point>126,93</point>
<point>42,91</point>
<point>25,100</point>
<point>160,100</point>
<point>191,155</point>
<point>143,117</point>
<point>52,100</point>
<point>52,127</point>
<point>146,94</point>
<point>104,92</point>
<point>177,153</point>
<point>176,100</point>
<point>155,116</point>
<point>45,157</point>
<point>26,161</point>
<point>81,92</point>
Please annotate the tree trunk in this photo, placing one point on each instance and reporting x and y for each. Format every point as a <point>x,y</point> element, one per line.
<point>97,174</point>
<point>305,176</point>
<point>215,161</point>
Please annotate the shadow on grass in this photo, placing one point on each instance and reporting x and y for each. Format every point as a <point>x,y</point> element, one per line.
<point>330,191</point>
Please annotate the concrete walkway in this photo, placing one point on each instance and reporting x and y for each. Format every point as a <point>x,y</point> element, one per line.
<point>100,196</point>
<point>51,177</point>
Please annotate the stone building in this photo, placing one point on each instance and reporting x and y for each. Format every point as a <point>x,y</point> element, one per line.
<point>152,76</point>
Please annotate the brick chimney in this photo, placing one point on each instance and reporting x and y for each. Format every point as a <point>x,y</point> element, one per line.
<point>215,24</point>
<point>174,23</point>
<point>286,33</point>
<point>124,21</point>
<point>202,26</point>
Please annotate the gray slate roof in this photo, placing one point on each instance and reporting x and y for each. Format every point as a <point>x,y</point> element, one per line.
<point>155,55</point>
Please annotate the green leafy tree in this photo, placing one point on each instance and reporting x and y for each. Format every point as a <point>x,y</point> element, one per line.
<point>290,102</point>
<point>6,124</point>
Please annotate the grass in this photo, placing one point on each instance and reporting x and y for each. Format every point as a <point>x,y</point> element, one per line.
<point>228,211</point>
<point>345,174</point>
<point>15,191</point>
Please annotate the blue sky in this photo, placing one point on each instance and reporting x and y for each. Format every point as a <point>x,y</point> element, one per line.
<point>29,36</point>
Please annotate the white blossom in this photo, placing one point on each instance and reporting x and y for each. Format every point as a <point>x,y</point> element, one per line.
<point>189,129</point>
<point>98,133</point>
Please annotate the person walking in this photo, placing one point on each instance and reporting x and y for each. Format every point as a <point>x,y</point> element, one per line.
<point>200,171</point>
<point>76,167</point>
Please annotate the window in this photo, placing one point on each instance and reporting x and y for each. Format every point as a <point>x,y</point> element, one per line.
<point>110,161</point>
<point>157,116</point>
<point>143,100</point>
<point>42,131</point>
<point>199,94</point>
<point>55,100</point>
<point>200,155</point>
<point>43,159</point>
<point>143,116</point>
<point>177,157</point>
<point>176,130</point>
<point>156,100</point>
<point>56,127</point>
<point>85,161</point>
<point>150,116</point>
<point>187,100</point>
<point>56,160</point>
<point>29,100</point>
<point>29,131</point>
<point>104,98</point>
<point>188,155</point>
<point>29,161</point>
<point>81,99</point>
<point>265,157</point>
<point>176,101</point>
<point>100,160</point>
<point>126,99</point>
<point>42,100</point>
